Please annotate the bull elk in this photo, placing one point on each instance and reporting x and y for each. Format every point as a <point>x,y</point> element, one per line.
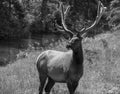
<point>65,67</point>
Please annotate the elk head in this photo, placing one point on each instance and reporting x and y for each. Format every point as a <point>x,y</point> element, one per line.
<point>75,39</point>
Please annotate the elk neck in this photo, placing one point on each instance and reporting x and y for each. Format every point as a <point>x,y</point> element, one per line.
<point>78,55</point>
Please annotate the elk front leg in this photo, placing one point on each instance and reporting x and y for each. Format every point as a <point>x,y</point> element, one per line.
<point>72,86</point>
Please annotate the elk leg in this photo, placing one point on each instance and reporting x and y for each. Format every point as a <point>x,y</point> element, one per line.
<point>49,85</point>
<point>72,86</point>
<point>42,83</point>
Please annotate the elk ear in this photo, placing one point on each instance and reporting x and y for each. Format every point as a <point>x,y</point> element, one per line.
<point>84,35</point>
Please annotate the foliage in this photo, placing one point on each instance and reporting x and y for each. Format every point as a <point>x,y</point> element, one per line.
<point>114,15</point>
<point>11,19</point>
<point>76,19</point>
<point>19,17</point>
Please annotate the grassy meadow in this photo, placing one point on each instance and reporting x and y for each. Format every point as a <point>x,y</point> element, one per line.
<point>101,69</point>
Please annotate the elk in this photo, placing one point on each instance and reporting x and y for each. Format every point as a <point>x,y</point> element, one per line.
<point>64,67</point>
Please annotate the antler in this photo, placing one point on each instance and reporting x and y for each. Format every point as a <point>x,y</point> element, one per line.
<point>100,12</point>
<point>63,17</point>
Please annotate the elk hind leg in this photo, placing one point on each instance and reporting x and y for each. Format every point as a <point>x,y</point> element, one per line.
<point>42,83</point>
<point>72,86</point>
<point>49,85</point>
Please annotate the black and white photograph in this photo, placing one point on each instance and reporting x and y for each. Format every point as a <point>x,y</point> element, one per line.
<point>59,46</point>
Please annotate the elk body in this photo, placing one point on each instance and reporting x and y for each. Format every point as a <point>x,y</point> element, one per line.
<point>64,67</point>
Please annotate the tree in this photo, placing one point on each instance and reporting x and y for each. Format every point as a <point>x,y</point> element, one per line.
<point>11,18</point>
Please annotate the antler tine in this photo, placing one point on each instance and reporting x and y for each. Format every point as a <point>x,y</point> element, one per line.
<point>63,17</point>
<point>66,11</point>
<point>100,11</point>
<point>63,28</point>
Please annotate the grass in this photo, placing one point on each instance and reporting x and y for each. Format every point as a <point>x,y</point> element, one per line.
<point>101,69</point>
<point>19,78</point>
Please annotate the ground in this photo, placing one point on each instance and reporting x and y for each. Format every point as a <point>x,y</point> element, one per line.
<point>101,69</point>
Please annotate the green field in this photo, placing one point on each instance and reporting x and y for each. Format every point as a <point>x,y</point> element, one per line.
<point>101,69</point>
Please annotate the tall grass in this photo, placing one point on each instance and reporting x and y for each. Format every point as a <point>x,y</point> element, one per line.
<point>101,69</point>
